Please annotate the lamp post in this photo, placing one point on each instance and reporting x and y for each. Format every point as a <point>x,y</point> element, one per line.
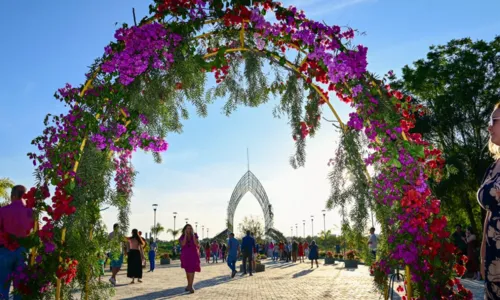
<point>196,224</point>
<point>202,232</point>
<point>304,223</point>
<point>324,222</point>
<point>208,236</point>
<point>312,226</point>
<point>154,226</point>
<point>291,232</point>
<point>296,229</point>
<point>186,220</point>
<point>175,215</point>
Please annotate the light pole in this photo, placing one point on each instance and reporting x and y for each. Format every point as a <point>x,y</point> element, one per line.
<point>202,232</point>
<point>196,224</point>
<point>175,215</point>
<point>208,236</point>
<point>291,232</point>
<point>296,229</point>
<point>312,226</point>
<point>186,220</point>
<point>154,226</point>
<point>304,223</point>
<point>324,222</point>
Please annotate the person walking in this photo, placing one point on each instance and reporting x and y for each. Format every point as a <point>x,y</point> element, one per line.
<point>295,251</point>
<point>116,253</point>
<point>135,257</point>
<point>472,255</point>
<point>15,219</point>
<point>224,251</point>
<point>233,253</point>
<point>276,252</point>
<point>270,250</point>
<point>314,254</point>
<point>301,252</point>
<point>215,251</point>
<point>190,255</point>
<point>247,246</point>
<point>372,243</point>
<point>306,249</point>
<point>207,252</point>
<point>153,247</point>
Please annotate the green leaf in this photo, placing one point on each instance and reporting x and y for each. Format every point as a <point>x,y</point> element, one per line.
<point>395,163</point>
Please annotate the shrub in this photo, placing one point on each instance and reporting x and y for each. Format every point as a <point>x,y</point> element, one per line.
<point>329,254</point>
<point>262,256</point>
<point>165,255</point>
<point>322,254</point>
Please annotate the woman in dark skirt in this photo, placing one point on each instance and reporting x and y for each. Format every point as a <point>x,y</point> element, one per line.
<point>135,257</point>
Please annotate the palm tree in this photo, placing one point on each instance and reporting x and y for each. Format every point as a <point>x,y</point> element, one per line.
<point>156,230</point>
<point>174,232</point>
<point>5,185</point>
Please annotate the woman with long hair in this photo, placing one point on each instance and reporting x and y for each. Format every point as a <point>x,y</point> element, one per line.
<point>135,256</point>
<point>488,196</point>
<point>190,255</point>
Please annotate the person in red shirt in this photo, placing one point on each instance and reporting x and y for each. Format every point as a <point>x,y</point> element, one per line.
<point>301,252</point>
<point>16,221</point>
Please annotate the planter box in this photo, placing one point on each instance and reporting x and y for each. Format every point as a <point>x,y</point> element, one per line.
<point>351,264</point>
<point>165,261</point>
<point>329,260</point>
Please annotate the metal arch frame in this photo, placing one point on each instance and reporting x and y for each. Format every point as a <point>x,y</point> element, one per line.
<point>250,183</point>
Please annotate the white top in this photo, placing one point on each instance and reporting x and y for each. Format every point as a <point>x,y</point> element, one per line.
<point>372,243</point>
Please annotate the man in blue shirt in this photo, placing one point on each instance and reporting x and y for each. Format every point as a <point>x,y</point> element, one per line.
<point>247,246</point>
<point>233,252</point>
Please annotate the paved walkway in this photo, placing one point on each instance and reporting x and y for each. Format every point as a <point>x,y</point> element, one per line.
<point>279,281</point>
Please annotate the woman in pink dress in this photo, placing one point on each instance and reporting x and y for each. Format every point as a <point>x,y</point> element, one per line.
<point>190,255</point>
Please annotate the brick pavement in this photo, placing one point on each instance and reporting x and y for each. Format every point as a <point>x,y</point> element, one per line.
<point>279,281</point>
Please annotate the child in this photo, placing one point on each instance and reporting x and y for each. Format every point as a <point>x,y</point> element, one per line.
<point>101,265</point>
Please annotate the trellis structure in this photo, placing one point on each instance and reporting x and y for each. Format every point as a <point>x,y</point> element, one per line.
<point>136,93</point>
<point>250,183</point>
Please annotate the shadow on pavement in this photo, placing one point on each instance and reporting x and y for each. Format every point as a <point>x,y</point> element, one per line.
<point>302,273</point>
<point>178,291</point>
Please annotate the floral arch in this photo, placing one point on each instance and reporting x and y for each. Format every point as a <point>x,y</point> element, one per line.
<point>137,92</point>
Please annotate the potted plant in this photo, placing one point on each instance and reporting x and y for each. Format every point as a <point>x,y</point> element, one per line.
<point>341,257</point>
<point>351,262</point>
<point>329,260</point>
<point>165,259</point>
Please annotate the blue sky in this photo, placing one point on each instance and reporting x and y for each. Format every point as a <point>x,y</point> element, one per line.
<point>46,44</point>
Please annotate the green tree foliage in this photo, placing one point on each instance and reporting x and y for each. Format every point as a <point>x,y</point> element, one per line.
<point>156,230</point>
<point>5,185</point>
<point>459,84</point>
<point>254,225</point>
<point>175,232</point>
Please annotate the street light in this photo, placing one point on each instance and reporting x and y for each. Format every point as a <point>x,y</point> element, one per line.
<point>312,226</point>
<point>324,222</point>
<point>296,230</point>
<point>304,223</point>
<point>291,231</point>
<point>175,215</point>
<point>202,232</point>
<point>196,224</point>
<point>186,220</point>
<point>208,236</point>
<point>154,226</point>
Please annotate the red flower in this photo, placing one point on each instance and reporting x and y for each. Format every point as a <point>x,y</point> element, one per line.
<point>460,269</point>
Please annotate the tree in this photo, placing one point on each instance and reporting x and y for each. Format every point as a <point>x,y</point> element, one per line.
<point>174,232</point>
<point>156,230</point>
<point>459,84</point>
<point>254,225</point>
<point>5,185</point>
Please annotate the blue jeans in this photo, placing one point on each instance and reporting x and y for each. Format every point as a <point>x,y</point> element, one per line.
<point>231,262</point>
<point>9,260</point>
<point>152,255</point>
